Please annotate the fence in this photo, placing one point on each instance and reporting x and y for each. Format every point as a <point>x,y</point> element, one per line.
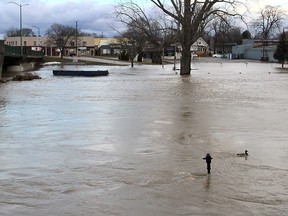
<point>27,51</point>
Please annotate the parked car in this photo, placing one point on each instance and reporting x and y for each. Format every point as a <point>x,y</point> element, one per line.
<point>217,55</point>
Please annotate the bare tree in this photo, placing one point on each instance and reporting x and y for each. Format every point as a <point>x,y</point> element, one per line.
<point>132,41</point>
<point>61,36</point>
<point>146,27</point>
<point>224,33</point>
<point>137,37</point>
<point>12,32</point>
<point>130,48</point>
<point>268,23</point>
<point>190,14</point>
<point>220,28</point>
<point>134,17</point>
<point>15,32</point>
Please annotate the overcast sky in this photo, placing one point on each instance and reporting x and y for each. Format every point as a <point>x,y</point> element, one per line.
<point>94,16</point>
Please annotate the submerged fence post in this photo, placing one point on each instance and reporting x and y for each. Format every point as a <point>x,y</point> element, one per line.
<point>2,53</point>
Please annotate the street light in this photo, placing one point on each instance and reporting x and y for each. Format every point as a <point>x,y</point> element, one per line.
<point>20,6</point>
<point>76,38</point>
<point>38,42</point>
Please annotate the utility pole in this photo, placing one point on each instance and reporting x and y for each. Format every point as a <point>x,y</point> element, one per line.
<point>38,36</point>
<point>76,38</point>
<point>21,30</point>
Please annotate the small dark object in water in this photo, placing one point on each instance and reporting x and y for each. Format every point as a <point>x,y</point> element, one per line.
<point>87,73</point>
<point>208,159</point>
<point>243,154</point>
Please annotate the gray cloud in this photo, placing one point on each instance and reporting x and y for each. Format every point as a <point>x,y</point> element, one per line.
<point>92,17</point>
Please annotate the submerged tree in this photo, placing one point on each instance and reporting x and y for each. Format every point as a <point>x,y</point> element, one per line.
<point>190,15</point>
<point>145,28</point>
<point>189,18</point>
<point>133,40</point>
<point>130,48</point>
<point>281,53</point>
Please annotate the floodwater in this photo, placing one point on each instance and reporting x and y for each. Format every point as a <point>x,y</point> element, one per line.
<point>132,143</point>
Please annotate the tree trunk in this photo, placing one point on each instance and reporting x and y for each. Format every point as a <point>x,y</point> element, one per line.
<point>61,53</point>
<point>132,62</point>
<point>140,57</point>
<point>185,67</point>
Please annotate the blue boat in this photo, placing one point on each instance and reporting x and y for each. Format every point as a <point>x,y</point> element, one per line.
<point>86,73</point>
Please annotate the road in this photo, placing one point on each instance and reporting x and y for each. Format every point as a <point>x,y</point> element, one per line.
<point>110,60</point>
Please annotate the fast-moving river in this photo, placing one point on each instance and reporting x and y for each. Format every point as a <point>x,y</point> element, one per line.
<point>132,143</point>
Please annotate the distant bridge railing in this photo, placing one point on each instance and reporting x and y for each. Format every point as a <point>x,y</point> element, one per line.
<point>14,51</point>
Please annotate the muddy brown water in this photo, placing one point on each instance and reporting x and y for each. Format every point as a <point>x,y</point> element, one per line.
<point>132,143</point>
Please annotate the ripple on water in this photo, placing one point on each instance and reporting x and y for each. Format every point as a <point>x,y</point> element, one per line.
<point>136,139</point>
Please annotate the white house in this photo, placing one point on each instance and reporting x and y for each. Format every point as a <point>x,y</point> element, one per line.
<point>200,45</point>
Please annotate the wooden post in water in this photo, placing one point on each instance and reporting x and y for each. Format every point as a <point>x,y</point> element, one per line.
<point>2,53</point>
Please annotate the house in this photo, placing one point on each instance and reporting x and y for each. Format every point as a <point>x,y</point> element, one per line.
<point>156,52</point>
<point>254,49</point>
<point>200,46</point>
